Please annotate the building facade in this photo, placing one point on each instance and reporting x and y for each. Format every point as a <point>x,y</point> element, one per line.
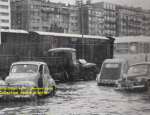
<point>146,22</point>
<point>100,18</point>
<point>74,26</point>
<point>129,21</point>
<point>108,12</point>
<point>40,15</point>
<point>5,19</point>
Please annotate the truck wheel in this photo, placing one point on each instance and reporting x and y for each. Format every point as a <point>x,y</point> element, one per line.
<point>146,85</point>
<point>66,76</point>
<point>89,75</point>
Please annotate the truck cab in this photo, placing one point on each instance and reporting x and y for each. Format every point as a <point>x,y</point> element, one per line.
<point>65,66</point>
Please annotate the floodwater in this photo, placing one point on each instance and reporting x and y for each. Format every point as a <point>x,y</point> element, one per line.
<point>82,98</point>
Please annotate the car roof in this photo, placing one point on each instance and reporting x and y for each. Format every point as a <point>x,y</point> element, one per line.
<point>141,63</point>
<point>29,62</point>
<point>115,60</point>
<point>61,49</point>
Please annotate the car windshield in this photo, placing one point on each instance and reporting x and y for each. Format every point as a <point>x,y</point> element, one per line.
<point>111,71</point>
<point>24,68</point>
<point>138,69</point>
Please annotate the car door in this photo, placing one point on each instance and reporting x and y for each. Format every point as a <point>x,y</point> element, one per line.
<point>41,78</point>
<point>46,76</point>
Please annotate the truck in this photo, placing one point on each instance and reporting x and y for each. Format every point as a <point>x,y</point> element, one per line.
<point>65,66</point>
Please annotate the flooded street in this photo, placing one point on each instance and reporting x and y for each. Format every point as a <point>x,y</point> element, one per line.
<point>82,98</point>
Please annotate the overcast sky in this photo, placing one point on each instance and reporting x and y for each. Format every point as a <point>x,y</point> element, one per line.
<point>145,4</point>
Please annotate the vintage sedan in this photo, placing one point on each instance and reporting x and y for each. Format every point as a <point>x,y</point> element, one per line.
<point>29,79</point>
<point>138,78</point>
<point>111,71</point>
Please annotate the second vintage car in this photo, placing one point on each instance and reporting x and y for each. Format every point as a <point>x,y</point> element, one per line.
<point>111,71</point>
<point>28,78</point>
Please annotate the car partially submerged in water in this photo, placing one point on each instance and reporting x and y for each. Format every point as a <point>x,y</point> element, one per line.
<point>29,79</point>
<point>111,71</point>
<point>138,78</point>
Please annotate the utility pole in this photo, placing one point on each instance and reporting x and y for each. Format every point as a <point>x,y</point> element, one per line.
<point>81,14</point>
<point>0,32</point>
<point>82,29</point>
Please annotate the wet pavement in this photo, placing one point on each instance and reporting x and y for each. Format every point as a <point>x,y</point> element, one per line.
<point>82,98</point>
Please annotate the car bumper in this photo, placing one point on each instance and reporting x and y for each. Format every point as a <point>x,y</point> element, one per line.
<point>136,86</point>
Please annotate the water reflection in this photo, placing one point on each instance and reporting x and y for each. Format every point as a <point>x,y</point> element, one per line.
<point>82,98</point>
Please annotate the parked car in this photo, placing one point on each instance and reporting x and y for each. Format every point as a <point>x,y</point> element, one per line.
<point>32,77</point>
<point>111,71</point>
<point>138,78</point>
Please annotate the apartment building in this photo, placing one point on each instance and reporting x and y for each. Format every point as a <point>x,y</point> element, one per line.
<point>146,22</point>
<point>74,26</point>
<point>129,21</point>
<point>90,19</point>
<point>40,15</point>
<point>100,18</point>
<point>5,19</point>
<point>95,21</point>
<point>108,14</point>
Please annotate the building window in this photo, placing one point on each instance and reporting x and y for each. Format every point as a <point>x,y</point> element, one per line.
<point>4,0</point>
<point>4,6</point>
<point>4,21</point>
<point>4,27</point>
<point>4,14</point>
<point>35,28</point>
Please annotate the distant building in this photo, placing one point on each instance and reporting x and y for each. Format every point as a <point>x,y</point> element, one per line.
<point>74,26</point>
<point>100,18</point>
<point>129,21</point>
<point>95,21</point>
<point>5,20</point>
<point>40,15</point>
<point>146,22</point>
<point>108,17</point>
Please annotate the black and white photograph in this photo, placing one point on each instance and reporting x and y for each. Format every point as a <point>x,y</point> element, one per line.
<point>74,57</point>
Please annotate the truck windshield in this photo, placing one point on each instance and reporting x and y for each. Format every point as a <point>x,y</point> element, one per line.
<point>59,58</point>
<point>24,68</point>
<point>111,71</point>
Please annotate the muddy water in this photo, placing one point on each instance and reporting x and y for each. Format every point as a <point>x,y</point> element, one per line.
<point>82,98</point>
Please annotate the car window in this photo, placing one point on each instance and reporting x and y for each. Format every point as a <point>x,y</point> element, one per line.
<point>111,65</point>
<point>24,68</point>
